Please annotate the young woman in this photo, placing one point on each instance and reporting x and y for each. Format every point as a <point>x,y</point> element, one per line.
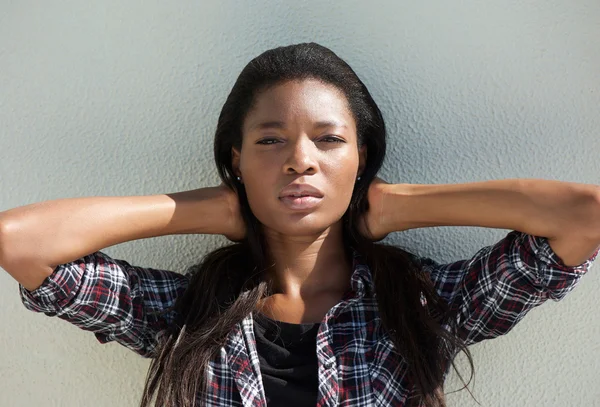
<point>304,308</point>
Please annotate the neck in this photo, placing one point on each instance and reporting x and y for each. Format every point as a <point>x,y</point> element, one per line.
<point>307,265</point>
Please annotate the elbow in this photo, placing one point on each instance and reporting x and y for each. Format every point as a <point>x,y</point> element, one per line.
<point>15,245</point>
<point>597,209</point>
<point>594,216</point>
<point>3,239</point>
<point>7,251</point>
<point>22,267</point>
<point>581,216</point>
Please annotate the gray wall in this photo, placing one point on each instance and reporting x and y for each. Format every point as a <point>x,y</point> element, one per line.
<point>122,98</point>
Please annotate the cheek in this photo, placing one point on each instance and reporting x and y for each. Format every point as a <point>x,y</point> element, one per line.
<point>343,188</point>
<point>258,198</point>
<point>258,165</point>
<point>340,186</point>
<point>260,185</point>
<point>260,175</point>
<point>341,178</point>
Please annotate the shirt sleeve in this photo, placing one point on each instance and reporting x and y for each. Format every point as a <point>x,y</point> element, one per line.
<point>496,288</point>
<point>111,298</point>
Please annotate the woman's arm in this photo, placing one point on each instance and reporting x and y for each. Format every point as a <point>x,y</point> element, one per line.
<point>568,214</point>
<point>113,299</point>
<point>35,238</point>
<point>492,290</point>
<point>555,239</point>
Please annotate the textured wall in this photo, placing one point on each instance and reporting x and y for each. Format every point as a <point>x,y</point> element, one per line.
<point>112,98</point>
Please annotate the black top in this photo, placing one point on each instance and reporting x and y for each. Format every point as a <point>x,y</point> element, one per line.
<point>288,361</point>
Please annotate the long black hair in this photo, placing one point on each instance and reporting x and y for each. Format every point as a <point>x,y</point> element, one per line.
<point>229,282</point>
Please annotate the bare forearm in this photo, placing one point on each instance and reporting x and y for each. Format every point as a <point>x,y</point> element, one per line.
<point>539,207</point>
<point>568,214</point>
<point>37,237</point>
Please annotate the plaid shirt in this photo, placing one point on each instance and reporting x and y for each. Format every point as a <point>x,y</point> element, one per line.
<point>357,362</point>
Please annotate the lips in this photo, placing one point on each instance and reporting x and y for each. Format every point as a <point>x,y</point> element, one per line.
<point>300,196</point>
<point>300,203</point>
<point>300,190</point>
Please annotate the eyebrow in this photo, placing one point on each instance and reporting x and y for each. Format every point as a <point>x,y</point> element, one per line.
<point>281,125</point>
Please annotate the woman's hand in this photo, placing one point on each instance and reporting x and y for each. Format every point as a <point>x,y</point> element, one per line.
<point>234,225</point>
<point>375,223</point>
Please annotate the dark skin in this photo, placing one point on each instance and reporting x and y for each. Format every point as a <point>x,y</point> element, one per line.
<point>310,270</point>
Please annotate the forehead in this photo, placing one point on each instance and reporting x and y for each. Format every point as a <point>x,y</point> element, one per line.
<point>297,102</point>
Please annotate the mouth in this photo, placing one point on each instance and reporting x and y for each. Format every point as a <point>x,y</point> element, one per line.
<point>300,202</point>
<point>297,196</point>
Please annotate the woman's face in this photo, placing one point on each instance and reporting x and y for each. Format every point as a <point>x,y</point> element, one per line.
<point>299,132</point>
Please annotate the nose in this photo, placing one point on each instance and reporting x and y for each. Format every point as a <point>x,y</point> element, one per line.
<point>301,157</point>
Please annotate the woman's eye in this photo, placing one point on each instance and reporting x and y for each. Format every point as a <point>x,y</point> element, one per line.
<point>332,139</point>
<point>267,141</point>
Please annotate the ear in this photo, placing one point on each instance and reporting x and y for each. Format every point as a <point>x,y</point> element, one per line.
<point>362,159</point>
<point>235,161</point>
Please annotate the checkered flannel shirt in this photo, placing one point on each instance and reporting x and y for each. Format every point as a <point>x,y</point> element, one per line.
<point>357,362</point>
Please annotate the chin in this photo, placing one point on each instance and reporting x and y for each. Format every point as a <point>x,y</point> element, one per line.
<point>301,225</point>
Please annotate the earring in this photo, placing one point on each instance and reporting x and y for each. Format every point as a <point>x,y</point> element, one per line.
<point>358,179</point>
<point>239,179</point>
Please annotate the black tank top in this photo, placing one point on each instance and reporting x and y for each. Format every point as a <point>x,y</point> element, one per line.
<point>288,361</point>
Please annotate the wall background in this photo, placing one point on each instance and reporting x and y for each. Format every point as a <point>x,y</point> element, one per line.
<point>112,98</point>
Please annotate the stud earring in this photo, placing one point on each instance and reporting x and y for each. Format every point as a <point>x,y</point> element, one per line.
<point>358,179</point>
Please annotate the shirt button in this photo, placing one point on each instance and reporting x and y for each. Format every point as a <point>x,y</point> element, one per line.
<point>329,364</point>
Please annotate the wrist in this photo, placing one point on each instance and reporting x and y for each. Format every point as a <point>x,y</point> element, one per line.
<point>198,211</point>
<point>397,209</point>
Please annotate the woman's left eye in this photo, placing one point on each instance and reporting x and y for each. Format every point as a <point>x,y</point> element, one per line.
<point>333,139</point>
